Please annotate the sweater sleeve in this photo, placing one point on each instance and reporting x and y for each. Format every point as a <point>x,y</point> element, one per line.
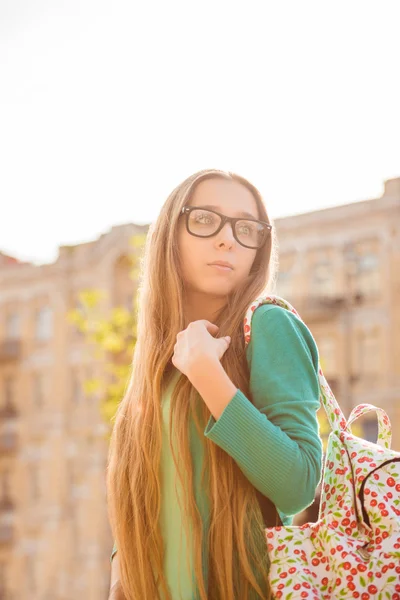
<point>275,438</point>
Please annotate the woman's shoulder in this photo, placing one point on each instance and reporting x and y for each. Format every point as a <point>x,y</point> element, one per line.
<point>273,313</point>
<point>278,325</point>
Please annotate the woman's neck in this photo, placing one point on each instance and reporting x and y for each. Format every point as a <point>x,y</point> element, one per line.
<point>202,306</point>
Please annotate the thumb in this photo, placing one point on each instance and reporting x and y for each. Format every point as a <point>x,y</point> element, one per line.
<point>211,327</point>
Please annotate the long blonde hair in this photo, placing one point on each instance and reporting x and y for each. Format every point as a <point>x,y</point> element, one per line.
<point>238,559</point>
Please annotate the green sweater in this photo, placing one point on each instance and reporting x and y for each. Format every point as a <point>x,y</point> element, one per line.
<point>275,441</point>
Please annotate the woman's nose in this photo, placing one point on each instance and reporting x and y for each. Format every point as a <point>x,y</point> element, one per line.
<point>226,235</point>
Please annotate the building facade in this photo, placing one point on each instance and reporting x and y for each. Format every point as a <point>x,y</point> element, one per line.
<point>55,539</point>
<point>339,267</point>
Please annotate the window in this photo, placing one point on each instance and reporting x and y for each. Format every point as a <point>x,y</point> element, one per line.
<point>2,576</point>
<point>34,481</point>
<point>76,389</point>
<point>5,482</point>
<point>9,391</point>
<point>122,281</point>
<point>30,571</point>
<point>129,305</point>
<point>322,280</point>
<point>39,392</point>
<point>327,355</point>
<point>44,324</point>
<point>368,262</point>
<point>370,430</point>
<point>363,266</point>
<point>76,307</point>
<point>368,352</point>
<point>284,283</point>
<point>13,323</point>
<point>368,275</point>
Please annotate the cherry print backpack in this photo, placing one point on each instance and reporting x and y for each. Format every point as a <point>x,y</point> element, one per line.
<point>353,550</point>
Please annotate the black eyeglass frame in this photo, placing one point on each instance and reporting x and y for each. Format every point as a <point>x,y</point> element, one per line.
<point>186,210</point>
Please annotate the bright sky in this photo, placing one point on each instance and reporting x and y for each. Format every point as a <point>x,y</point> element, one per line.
<point>106,105</point>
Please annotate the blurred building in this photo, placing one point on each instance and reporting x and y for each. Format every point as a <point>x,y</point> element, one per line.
<point>340,268</point>
<point>55,540</point>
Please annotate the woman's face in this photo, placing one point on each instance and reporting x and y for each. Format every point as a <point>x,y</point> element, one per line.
<point>230,198</point>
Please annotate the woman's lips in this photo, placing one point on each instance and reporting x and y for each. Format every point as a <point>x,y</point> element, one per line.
<point>221,268</point>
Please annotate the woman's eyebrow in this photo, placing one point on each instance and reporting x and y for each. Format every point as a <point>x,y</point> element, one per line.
<point>238,214</point>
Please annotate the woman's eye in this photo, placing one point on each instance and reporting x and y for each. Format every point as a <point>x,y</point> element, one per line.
<point>204,219</point>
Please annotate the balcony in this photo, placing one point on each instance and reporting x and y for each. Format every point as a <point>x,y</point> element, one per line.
<point>322,308</point>
<point>317,308</point>
<point>10,350</point>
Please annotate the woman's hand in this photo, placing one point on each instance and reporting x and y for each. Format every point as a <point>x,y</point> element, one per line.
<point>196,347</point>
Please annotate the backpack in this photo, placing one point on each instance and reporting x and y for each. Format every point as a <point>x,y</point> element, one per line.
<point>353,550</point>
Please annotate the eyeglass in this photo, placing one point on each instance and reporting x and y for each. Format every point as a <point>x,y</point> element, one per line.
<point>205,223</point>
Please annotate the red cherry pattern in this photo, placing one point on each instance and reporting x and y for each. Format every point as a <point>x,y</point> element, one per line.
<point>325,560</point>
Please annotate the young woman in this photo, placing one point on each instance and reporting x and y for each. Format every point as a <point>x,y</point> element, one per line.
<point>212,441</point>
